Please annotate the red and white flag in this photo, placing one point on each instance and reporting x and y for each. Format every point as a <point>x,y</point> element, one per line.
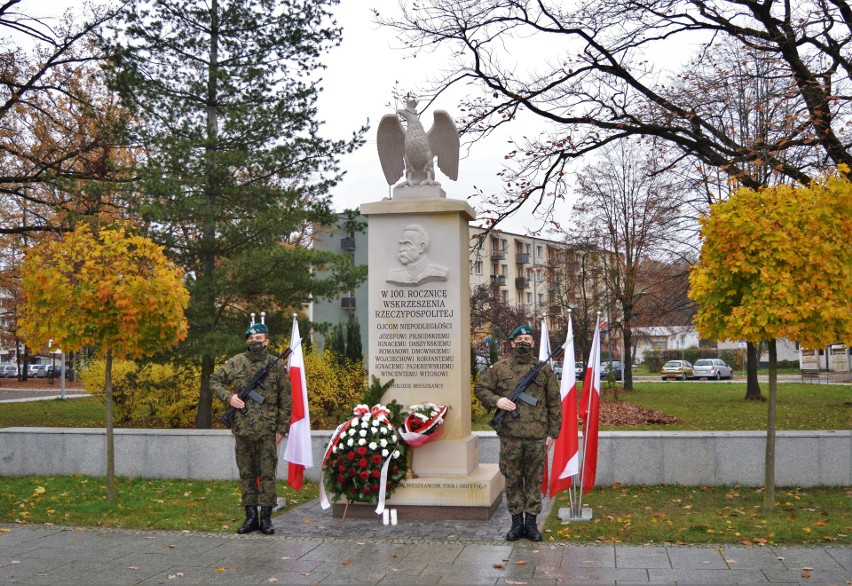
<point>298,454</point>
<point>590,412</point>
<point>566,456</point>
<point>544,346</point>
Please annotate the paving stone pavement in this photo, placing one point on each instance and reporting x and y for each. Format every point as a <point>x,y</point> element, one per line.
<point>311,547</point>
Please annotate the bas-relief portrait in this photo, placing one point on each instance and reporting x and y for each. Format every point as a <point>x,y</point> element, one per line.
<point>413,255</point>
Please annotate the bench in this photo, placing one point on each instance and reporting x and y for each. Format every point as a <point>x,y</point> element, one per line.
<point>811,375</point>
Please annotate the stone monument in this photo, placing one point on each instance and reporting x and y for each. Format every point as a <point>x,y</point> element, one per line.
<point>419,316</point>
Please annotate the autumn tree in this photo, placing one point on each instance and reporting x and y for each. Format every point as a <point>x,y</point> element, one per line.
<point>627,205</point>
<point>599,74</point>
<point>59,128</point>
<point>236,173</point>
<point>776,262</point>
<point>577,272</point>
<point>107,288</point>
<point>490,316</point>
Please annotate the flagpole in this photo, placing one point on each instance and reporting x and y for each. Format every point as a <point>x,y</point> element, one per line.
<point>588,410</point>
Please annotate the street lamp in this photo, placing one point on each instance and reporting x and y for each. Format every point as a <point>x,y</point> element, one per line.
<point>52,360</point>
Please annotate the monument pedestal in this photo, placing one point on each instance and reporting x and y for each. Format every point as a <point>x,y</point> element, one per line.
<point>473,497</point>
<point>419,332</point>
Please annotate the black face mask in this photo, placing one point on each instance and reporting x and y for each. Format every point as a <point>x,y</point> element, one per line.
<point>523,349</point>
<point>256,349</point>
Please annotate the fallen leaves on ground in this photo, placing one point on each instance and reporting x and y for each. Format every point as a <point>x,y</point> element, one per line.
<point>625,413</point>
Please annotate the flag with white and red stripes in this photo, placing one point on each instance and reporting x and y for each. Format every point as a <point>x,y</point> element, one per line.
<point>298,454</point>
<point>566,456</point>
<point>590,412</point>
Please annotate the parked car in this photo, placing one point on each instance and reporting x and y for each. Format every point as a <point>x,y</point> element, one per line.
<point>615,367</point>
<point>712,368</point>
<point>37,371</point>
<point>9,371</point>
<point>54,371</point>
<point>481,364</point>
<point>580,370</point>
<point>677,369</point>
<point>557,370</point>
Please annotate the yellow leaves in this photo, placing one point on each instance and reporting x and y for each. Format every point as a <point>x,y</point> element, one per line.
<point>112,289</point>
<point>768,254</point>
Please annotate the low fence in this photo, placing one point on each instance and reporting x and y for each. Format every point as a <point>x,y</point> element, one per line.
<point>803,458</point>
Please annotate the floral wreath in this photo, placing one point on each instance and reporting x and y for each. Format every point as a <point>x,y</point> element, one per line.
<point>423,424</point>
<point>362,461</point>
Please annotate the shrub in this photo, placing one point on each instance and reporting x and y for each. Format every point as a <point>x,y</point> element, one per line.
<point>735,359</point>
<point>333,388</point>
<point>147,394</point>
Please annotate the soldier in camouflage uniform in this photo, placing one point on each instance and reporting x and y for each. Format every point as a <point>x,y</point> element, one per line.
<point>258,432</point>
<point>524,439</point>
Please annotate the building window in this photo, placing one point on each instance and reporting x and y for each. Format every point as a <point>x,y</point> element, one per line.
<point>477,267</point>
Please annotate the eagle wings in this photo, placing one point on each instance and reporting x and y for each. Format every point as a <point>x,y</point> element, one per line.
<point>411,150</point>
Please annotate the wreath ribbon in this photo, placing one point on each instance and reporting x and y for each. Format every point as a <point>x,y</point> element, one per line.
<point>427,432</point>
<point>335,439</point>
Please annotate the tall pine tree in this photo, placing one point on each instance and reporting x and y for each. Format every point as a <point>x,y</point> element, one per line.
<point>235,170</point>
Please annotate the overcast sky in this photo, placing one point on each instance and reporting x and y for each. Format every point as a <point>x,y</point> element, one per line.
<point>358,86</point>
<point>359,83</point>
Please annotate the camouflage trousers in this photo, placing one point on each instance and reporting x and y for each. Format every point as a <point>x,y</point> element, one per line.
<point>257,461</point>
<point>522,463</point>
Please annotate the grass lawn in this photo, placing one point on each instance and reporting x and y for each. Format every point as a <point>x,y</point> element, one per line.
<point>710,406</point>
<point>719,406</point>
<point>685,514</point>
<point>88,412</point>
<point>194,505</point>
<point>642,514</point>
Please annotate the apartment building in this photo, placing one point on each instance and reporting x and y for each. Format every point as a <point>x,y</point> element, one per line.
<point>530,274</point>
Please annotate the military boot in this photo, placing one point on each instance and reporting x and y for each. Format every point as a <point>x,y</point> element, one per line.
<point>531,528</point>
<point>517,530</point>
<point>250,524</point>
<point>266,521</point>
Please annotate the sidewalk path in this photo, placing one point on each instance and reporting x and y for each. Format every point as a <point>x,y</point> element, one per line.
<point>310,547</point>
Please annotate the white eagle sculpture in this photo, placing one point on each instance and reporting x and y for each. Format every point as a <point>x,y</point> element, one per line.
<point>412,150</point>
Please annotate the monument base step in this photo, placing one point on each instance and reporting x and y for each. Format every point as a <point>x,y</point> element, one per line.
<point>474,496</point>
<point>417,512</point>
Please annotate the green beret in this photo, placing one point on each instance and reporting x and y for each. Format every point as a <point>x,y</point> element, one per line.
<point>257,329</point>
<point>520,331</point>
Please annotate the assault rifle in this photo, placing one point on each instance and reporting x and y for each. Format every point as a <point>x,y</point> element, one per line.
<point>249,392</point>
<point>520,392</point>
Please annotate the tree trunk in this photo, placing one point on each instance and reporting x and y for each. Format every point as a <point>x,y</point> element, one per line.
<point>769,464</point>
<point>752,363</point>
<point>627,371</point>
<point>110,443</point>
<point>204,414</point>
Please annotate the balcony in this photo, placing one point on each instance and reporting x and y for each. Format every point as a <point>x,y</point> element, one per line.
<point>522,283</point>
<point>522,258</point>
<point>498,280</point>
<point>498,254</point>
<point>347,303</point>
<point>347,244</point>
<point>554,310</point>
<point>524,308</point>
